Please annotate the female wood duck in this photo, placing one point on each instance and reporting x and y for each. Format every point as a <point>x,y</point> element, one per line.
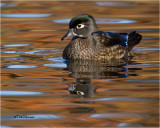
<point>99,45</point>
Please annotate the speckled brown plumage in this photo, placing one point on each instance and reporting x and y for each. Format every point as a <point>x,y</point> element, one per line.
<point>86,49</point>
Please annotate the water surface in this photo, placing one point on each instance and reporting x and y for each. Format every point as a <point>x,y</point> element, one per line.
<point>40,89</point>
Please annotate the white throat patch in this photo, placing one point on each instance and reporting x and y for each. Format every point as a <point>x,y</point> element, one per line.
<point>76,34</point>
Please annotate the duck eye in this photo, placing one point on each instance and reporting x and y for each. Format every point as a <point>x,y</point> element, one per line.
<point>80,26</point>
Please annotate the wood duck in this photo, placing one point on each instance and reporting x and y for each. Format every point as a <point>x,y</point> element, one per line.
<point>88,43</point>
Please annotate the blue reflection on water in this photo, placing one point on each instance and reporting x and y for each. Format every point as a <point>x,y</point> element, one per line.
<point>146,49</point>
<point>62,65</point>
<point>7,4</point>
<point>60,62</point>
<point>62,21</point>
<point>56,59</point>
<point>148,38</point>
<point>12,59</point>
<point>29,85</point>
<point>16,93</point>
<point>19,66</point>
<point>146,30</point>
<point>121,99</point>
<point>115,3</point>
<point>14,45</point>
<point>36,52</point>
<point>25,15</point>
<point>4,126</point>
<point>9,52</point>
<point>129,125</point>
<point>100,21</point>
<point>144,81</point>
<point>116,115</point>
<point>31,117</point>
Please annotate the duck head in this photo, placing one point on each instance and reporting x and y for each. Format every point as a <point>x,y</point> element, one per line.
<point>81,26</point>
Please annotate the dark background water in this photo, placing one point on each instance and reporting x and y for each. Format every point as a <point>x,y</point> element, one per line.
<point>40,89</point>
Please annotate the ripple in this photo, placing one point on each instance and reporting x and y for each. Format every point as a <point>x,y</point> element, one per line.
<point>113,21</point>
<point>36,52</point>
<point>129,125</point>
<point>17,93</point>
<point>100,21</point>
<point>4,126</point>
<point>19,66</point>
<point>13,59</point>
<point>39,52</point>
<point>31,117</point>
<point>144,81</point>
<point>138,66</point>
<point>116,115</point>
<point>55,59</point>
<point>146,49</point>
<point>148,38</point>
<point>121,99</point>
<point>9,52</point>
<point>62,65</point>
<point>115,3</point>
<point>25,15</point>
<point>62,21</point>
<point>7,4</point>
<point>14,45</point>
<point>29,85</point>
<point>146,30</point>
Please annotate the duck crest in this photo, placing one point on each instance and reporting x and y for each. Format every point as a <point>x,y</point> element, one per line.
<point>82,18</point>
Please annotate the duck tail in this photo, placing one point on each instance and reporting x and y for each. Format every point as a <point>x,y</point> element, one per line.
<point>134,38</point>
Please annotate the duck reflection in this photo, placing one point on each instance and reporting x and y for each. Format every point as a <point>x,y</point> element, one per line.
<point>85,70</point>
<point>82,88</point>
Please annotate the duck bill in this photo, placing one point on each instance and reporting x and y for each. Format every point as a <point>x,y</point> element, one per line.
<point>68,34</point>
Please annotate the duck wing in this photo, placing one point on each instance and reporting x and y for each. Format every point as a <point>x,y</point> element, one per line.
<point>123,39</point>
<point>109,38</point>
<point>127,40</point>
<point>117,38</point>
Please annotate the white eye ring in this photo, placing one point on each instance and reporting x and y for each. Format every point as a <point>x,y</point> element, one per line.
<point>79,26</point>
